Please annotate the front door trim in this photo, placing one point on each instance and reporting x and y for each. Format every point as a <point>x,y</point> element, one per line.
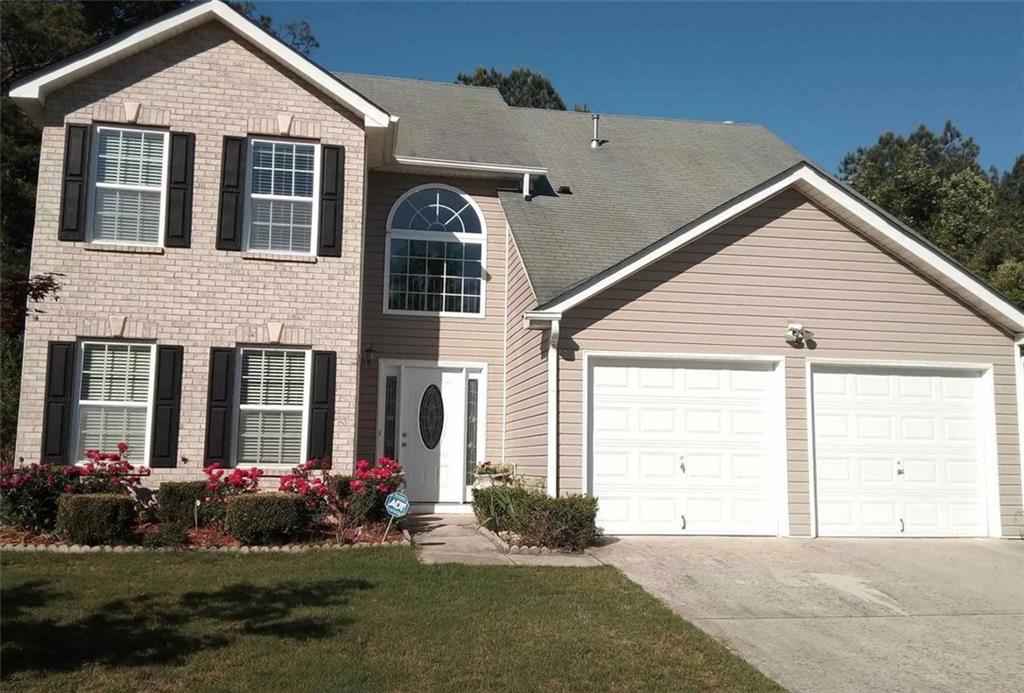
<point>389,366</point>
<point>986,415</point>
<point>778,424</point>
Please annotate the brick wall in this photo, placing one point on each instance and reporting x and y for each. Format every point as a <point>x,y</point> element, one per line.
<point>209,83</point>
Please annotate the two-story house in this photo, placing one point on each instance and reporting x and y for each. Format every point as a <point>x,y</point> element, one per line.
<point>265,262</point>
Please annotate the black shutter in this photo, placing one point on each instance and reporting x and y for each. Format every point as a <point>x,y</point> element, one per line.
<point>220,404</point>
<point>321,405</point>
<point>76,174</point>
<point>232,194</point>
<point>181,164</point>
<point>166,406</point>
<point>60,379</point>
<point>332,201</point>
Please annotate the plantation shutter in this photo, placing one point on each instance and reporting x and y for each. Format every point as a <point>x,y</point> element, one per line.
<point>60,378</point>
<point>115,397</point>
<point>167,406</point>
<point>232,194</point>
<point>180,170</point>
<point>220,403</point>
<point>272,400</point>
<point>332,201</point>
<point>76,173</point>
<point>321,405</point>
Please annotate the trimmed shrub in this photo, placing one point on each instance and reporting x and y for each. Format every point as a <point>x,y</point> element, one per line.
<point>172,534</point>
<point>567,522</point>
<point>95,518</point>
<point>266,518</point>
<point>176,502</point>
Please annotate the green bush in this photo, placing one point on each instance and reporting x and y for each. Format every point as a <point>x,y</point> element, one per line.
<point>29,494</point>
<point>176,503</point>
<point>172,534</point>
<point>266,518</point>
<point>95,518</point>
<point>567,522</point>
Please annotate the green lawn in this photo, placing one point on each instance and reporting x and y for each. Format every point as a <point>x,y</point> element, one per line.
<point>364,620</point>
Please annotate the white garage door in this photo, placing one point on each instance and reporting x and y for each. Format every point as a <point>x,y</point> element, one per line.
<point>685,448</point>
<point>899,452</point>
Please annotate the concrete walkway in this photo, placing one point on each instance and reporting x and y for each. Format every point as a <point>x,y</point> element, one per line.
<point>845,615</point>
<point>455,539</point>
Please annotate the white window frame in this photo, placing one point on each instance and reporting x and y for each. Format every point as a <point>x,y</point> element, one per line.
<point>314,231</point>
<point>463,238</point>
<point>79,378</point>
<point>94,159</point>
<point>304,407</point>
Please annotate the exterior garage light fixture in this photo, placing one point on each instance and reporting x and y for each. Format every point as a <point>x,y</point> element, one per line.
<point>796,335</point>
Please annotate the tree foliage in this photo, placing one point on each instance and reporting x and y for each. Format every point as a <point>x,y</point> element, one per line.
<point>520,87</point>
<point>934,184</point>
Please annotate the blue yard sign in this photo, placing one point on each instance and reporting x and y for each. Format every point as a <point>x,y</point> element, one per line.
<point>397,504</point>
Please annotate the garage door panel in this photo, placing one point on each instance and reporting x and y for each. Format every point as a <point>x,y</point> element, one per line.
<point>675,445</point>
<point>898,452</point>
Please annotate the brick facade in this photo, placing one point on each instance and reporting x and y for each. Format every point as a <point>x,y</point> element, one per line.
<point>209,83</point>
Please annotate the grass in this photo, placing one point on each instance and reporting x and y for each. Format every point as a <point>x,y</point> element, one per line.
<point>367,620</point>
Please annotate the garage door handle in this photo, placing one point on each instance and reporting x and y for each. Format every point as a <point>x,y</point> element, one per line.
<point>683,518</point>
<point>682,463</point>
<point>903,527</point>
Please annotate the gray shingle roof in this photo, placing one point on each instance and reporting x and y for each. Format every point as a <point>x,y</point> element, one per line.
<point>453,122</point>
<point>649,178</point>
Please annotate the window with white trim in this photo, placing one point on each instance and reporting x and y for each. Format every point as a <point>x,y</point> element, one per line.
<point>272,406</point>
<point>115,397</point>
<point>284,181</point>
<point>435,251</point>
<point>129,192</point>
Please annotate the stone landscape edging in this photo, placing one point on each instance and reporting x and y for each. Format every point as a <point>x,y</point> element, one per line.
<point>122,548</point>
<point>506,547</point>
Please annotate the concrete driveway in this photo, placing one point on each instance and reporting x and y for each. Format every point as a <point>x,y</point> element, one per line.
<point>850,614</point>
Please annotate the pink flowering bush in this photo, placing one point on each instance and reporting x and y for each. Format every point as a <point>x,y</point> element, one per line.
<point>29,494</point>
<point>222,485</point>
<point>312,481</point>
<point>108,472</point>
<point>370,486</point>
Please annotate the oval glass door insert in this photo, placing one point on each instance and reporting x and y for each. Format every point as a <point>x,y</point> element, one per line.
<point>431,417</point>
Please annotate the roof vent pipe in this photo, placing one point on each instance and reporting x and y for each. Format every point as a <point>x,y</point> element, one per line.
<point>595,142</point>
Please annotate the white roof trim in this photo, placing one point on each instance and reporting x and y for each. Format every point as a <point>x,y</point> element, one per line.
<point>31,93</point>
<point>471,165</point>
<point>844,205</point>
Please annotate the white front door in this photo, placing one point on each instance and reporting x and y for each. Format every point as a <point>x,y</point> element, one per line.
<point>899,452</point>
<point>686,448</point>
<point>432,434</point>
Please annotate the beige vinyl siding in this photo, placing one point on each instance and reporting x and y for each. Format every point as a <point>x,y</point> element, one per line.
<point>734,292</point>
<point>527,383</point>
<point>431,337</point>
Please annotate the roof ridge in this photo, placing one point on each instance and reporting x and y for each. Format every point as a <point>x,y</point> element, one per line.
<point>632,116</point>
<point>341,73</point>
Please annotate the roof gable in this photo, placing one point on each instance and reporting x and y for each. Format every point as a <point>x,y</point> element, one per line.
<point>31,92</point>
<point>844,204</point>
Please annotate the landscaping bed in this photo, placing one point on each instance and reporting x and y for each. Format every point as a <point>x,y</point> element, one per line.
<point>101,504</point>
<point>342,620</point>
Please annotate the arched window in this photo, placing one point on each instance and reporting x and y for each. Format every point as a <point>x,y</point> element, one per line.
<point>435,252</point>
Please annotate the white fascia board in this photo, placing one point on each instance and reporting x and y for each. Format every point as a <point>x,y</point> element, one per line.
<point>471,166</point>
<point>32,92</point>
<point>807,179</point>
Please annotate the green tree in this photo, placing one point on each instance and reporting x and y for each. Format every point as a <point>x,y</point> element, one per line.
<point>521,87</point>
<point>33,34</point>
<point>934,184</point>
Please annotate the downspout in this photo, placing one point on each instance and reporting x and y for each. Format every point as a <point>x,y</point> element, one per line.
<point>552,483</point>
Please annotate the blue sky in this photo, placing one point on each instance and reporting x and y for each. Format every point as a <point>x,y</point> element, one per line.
<point>826,77</point>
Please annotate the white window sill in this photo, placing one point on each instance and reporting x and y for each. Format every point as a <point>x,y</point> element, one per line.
<point>278,257</point>
<point>125,248</point>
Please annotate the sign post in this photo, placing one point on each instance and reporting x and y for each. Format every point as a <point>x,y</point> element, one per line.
<point>397,505</point>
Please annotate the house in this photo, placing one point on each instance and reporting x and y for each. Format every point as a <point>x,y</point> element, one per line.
<point>265,262</point>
